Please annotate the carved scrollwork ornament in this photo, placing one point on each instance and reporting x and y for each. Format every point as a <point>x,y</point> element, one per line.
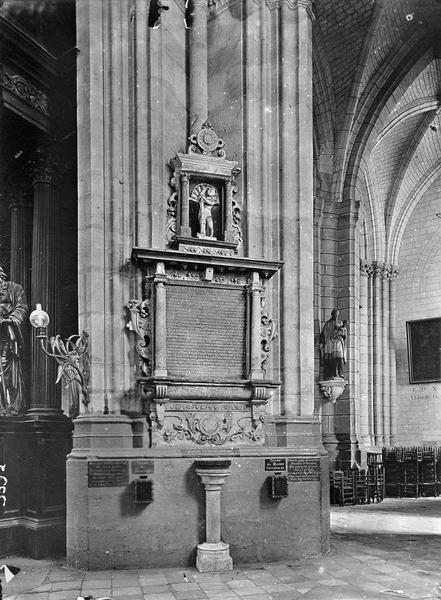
<point>26,91</point>
<point>268,332</point>
<point>141,323</point>
<point>212,429</point>
<point>237,216</point>
<point>171,223</point>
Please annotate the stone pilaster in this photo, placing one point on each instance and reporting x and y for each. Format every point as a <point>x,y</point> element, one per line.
<point>44,281</point>
<point>106,181</point>
<point>296,190</point>
<point>198,67</point>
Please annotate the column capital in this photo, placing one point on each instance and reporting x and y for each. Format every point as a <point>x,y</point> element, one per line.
<point>18,198</point>
<point>366,267</point>
<point>292,5</point>
<point>43,166</point>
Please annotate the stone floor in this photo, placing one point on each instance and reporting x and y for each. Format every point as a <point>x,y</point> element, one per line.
<point>387,550</point>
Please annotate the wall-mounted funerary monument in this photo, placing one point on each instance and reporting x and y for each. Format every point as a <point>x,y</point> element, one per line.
<point>201,446</point>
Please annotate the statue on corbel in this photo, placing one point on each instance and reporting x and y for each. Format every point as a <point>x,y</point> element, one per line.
<point>333,350</point>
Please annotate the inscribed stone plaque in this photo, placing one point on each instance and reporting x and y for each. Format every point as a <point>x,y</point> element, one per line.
<point>206,332</point>
<point>106,473</point>
<point>424,350</point>
<point>143,467</point>
<point>303,469</point>
<point>275,464</point>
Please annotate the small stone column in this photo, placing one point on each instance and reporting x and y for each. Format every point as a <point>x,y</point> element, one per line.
<point>213,554</point>
<point>185,229</point>
<point>256,318</point>
<point>160,322</point>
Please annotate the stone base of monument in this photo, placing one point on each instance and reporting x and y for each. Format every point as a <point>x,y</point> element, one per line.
<point>213,557</point>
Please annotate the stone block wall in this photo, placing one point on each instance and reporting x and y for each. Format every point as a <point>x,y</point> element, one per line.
<point>418,297</point>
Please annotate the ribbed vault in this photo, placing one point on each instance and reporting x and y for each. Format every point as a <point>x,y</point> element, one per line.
<point>384,68</point>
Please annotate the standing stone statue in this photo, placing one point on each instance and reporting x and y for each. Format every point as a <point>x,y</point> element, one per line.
<point>13,316</point>
<point>207,197</point>
<point>333,346</point>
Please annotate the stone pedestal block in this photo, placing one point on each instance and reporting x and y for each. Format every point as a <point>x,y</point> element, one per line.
<point>213,557</point>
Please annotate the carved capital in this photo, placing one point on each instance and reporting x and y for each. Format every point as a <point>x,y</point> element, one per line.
<point>18,199</point>
<point>292,5</point>
<point>366,268</point>
<point>377,268</point>
<point>43,167</point>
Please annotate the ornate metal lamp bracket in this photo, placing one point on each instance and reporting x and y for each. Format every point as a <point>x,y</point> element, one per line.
<point>71,354</point>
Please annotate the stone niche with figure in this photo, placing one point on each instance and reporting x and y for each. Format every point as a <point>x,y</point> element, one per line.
<point>203,213</point>
<point>203,329</point>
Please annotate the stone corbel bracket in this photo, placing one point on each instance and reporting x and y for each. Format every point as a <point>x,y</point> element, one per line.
<point>259,404</point>
<point>157,404</point>
<point>332,389</point>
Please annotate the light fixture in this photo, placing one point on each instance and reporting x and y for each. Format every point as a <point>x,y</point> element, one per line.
<point>40,320</point>
<point>71,354</point>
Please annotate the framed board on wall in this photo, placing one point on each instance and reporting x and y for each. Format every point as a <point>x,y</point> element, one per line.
<point>424,350</point>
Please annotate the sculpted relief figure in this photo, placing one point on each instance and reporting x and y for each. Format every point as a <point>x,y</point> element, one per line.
<point>13,316</point>
<point>333,346</point>
<point>207,197</point>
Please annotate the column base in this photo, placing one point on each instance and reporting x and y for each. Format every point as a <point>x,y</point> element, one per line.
<point>211,558</point>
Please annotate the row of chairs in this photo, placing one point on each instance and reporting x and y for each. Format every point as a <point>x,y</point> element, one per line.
<point>412,471</point>
<point>357,486</point>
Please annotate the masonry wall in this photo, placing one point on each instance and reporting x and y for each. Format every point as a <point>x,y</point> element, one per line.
<point>418,297</point>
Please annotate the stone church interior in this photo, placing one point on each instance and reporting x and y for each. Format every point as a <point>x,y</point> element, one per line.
<point>221,268</point>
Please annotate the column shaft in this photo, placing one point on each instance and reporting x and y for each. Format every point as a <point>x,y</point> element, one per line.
<point>198,67</point>
<point>212,516</point>
<point>364,358</point>
<point>21,243</point>
<point>44,281</point>
<point>371,357</point>
<point>160,323</point>
<point>185,208</point>
<point>256,371</point>
<point>392,358</point>
<point>296,199</point>
<point>386,368</point>
<point>378,356</point>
